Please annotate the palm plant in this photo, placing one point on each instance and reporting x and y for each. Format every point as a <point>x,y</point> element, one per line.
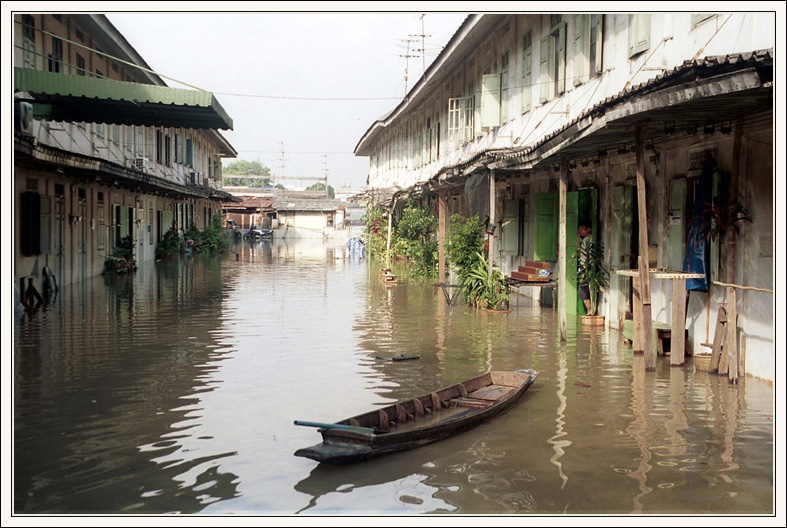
<point>480,287</point>
<point>592,271</point>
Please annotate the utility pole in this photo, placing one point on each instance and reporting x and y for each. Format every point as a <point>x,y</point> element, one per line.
<point>325,172</point>
<point>423,36</point>
<point>407,57</point>
<point>282,161</point>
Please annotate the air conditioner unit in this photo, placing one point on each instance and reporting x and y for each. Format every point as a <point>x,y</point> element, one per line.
<point>23,113</point>
<point>141,164</point>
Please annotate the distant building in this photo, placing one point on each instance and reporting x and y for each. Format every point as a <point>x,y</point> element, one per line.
<point>104,151</point>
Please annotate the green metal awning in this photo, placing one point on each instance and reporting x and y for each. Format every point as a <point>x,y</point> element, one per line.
<point>77,98</point>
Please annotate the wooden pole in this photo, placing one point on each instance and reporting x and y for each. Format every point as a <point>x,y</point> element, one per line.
<point>561,237</point>
<point>731,237</point>
<point>492,200</point>
<point>441,239</point>
<point>644,266</point>
<point>637,311</point>
<point>388,241</point>
<point>678,334</point>
<point>730,350</point>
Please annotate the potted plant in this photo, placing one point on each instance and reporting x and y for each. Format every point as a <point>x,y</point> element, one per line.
<point>481,288</point>
<point>593,272</point>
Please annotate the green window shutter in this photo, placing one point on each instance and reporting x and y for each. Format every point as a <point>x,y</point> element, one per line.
<point>546,215</point>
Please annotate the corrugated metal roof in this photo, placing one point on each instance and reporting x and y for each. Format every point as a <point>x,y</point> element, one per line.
<point>690,71</point>
<point>76,98</point>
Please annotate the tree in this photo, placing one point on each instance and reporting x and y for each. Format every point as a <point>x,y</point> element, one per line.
<point>321,187</point>
<point>241,168</point>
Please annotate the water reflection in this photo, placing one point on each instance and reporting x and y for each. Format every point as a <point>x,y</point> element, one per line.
<point>175,390</point>
<point>106,413</point>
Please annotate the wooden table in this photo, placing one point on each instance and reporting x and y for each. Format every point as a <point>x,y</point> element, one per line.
<point>678,331</point>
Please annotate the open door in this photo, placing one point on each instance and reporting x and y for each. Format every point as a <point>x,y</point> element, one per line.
<point>581,206</point>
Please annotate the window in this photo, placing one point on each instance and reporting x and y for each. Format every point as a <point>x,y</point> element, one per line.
<point>527,71</point>
<point>699,18</point>
<point>28,42</point>
<point>30,223</point>
<point>159,147</point>
<point>504,88</point>
<point>99,74</point>
<point>56,57</point>
<point>167,151</point>
<point>552,63</point>
<point>460,120</point>
<point>639,34</point>
<point>80,65</point>
<point>189,153</point>
<point>46,225</point>
<point>101,230</point>
<point>587,47</point>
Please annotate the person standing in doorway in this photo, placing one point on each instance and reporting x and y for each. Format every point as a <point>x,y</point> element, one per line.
<point>584,232</point>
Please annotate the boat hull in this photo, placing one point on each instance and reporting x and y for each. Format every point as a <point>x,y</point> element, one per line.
<point>409,425</point>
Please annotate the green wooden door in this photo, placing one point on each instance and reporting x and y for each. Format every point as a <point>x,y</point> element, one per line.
<point>545,237</point>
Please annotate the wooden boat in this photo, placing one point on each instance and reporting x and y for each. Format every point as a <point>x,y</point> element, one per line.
<point>420,421</point>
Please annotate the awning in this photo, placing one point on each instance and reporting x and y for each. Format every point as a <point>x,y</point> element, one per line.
<point>77,98</point>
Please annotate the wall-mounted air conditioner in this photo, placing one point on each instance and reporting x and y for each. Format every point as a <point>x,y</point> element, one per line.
<point>23,114</point>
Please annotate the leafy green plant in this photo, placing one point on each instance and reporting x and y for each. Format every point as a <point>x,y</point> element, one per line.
<point>465,240</point>
<point>212,237</point>
<point>169,245</point>
<point>376,221</point>
<point>417,228</point>
<point>592,270</point>
<point>479,287</point>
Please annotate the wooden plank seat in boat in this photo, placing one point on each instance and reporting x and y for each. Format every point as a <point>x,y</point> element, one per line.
<point>484,397</point>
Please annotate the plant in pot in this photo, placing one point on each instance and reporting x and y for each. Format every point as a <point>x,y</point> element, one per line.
<point>481,288</point>
<point>593,272</point>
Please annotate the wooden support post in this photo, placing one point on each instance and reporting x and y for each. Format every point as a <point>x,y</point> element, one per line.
<point>441,239</point>
<point>731,339</point>
<point>678,334</point>
<point>492,212</point>
<point>643,264</point>
<point>562,260</point>
<point>637,310</point>
<point>718,338</point>
<point>388,241</point>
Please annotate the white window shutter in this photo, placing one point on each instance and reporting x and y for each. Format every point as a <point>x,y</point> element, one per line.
<point>639,34</point>
<point>581,48</point>
<point>544,75</point>
<point>490,100</point>
<point>560,47</point>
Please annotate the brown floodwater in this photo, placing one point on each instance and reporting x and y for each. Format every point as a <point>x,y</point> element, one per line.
<point>174,390</point>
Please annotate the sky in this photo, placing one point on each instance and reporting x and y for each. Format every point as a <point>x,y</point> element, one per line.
<point>301,87</point>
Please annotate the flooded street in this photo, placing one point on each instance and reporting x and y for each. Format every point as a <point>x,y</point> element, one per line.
<point>174,390</point>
